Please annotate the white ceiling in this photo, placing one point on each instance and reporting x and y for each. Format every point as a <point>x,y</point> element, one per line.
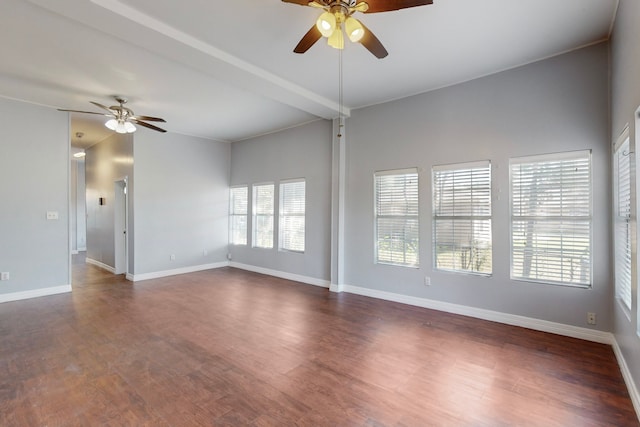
<point>226,70</point>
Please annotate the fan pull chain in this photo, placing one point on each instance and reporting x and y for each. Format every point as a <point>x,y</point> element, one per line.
<point>340,95</point>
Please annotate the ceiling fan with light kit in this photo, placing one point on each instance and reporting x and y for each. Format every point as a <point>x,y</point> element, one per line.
<point>122,118</point>
<point>339,12</point>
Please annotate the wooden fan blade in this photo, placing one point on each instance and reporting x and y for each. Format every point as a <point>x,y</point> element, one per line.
<point>148,119</point>
<point>147,125</point>
<point>309,39</point>
<point>86,112</point>
<point>300,2</point>
<point>373,45</point>
<point>376,6</point>
<point>102,106</point>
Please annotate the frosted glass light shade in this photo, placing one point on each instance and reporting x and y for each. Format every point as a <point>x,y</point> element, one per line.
<point>121,128</point>
<point>337,39</point>
<point>111,124</point>
<point>326,24</point>
<point>354,29</point>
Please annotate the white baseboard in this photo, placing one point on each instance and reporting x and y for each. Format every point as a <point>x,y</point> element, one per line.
<point>281,274</point>
<point>479,313</point>
<point>101,265</point>
<point>35,293</point>
<point>336,288</point>
<point>628,378</point>
<point>176,271</point>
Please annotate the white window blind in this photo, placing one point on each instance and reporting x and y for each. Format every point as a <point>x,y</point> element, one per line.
<point>263,216</point>
<point>622,234</point>
<point>551,218</point>
<point>292,215</point>
<point>238,205</point>
<point>396,213</point>
<point>462,217</point>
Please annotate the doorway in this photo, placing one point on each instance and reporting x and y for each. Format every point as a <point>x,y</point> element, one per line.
<point>120,226</point>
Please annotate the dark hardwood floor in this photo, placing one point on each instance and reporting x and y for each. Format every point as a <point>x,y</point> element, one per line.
<point>228,347</point>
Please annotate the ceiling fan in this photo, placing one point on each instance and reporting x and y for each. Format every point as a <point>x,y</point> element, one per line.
<point>337,12</point>
<point>122,118</point>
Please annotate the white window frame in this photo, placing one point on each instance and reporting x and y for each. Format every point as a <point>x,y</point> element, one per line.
<point>634,214</point>
<point>409,218</point>
<point>286,213</point>
<point>233,215</point>
<point>622,220</point>
<point>259,232</point>
<point>554,254</point>
<point>475,226</point>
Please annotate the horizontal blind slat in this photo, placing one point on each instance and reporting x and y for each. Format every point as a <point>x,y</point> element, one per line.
<point>396,210</point>
<point>292,215</point>
<point>551,218</point>
<point>462,217</point>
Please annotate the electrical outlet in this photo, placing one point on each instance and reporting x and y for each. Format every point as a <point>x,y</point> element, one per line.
<point>591,318</point>
<point>172,257</point>
<point>4,275</point>
<point>427,281</point>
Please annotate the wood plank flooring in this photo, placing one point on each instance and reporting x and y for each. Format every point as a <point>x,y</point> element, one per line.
<point>230,348</point>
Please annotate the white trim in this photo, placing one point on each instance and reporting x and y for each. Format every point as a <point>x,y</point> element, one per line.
<point>494,316</point>
<point>43,292</point>
<point>282,274</point>
<point>290,180</point>
<point>622,138</point>
<point>628,378</point>
<point>461,166</point>
<point>333,287</point>
<point>74,252</point>
<point>100,265</point>
<point>404,171</point>
<point>175,271</point>
<point>564,155</point>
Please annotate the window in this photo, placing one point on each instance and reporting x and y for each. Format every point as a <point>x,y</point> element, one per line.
<point>622,218</point>
<point>292,215</point>
<point>396,217</point>
<point>462,217</point>
<point>551,218</point>
<point>263,216</point>
<point>238,215</point>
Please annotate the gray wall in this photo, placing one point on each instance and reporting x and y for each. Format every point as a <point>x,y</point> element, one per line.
<point>559,104</point>
<point>181,201</point>
<point>625,99</point>
<point>34,179</point>
<point>301,152</point>
<point>106,162</point>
